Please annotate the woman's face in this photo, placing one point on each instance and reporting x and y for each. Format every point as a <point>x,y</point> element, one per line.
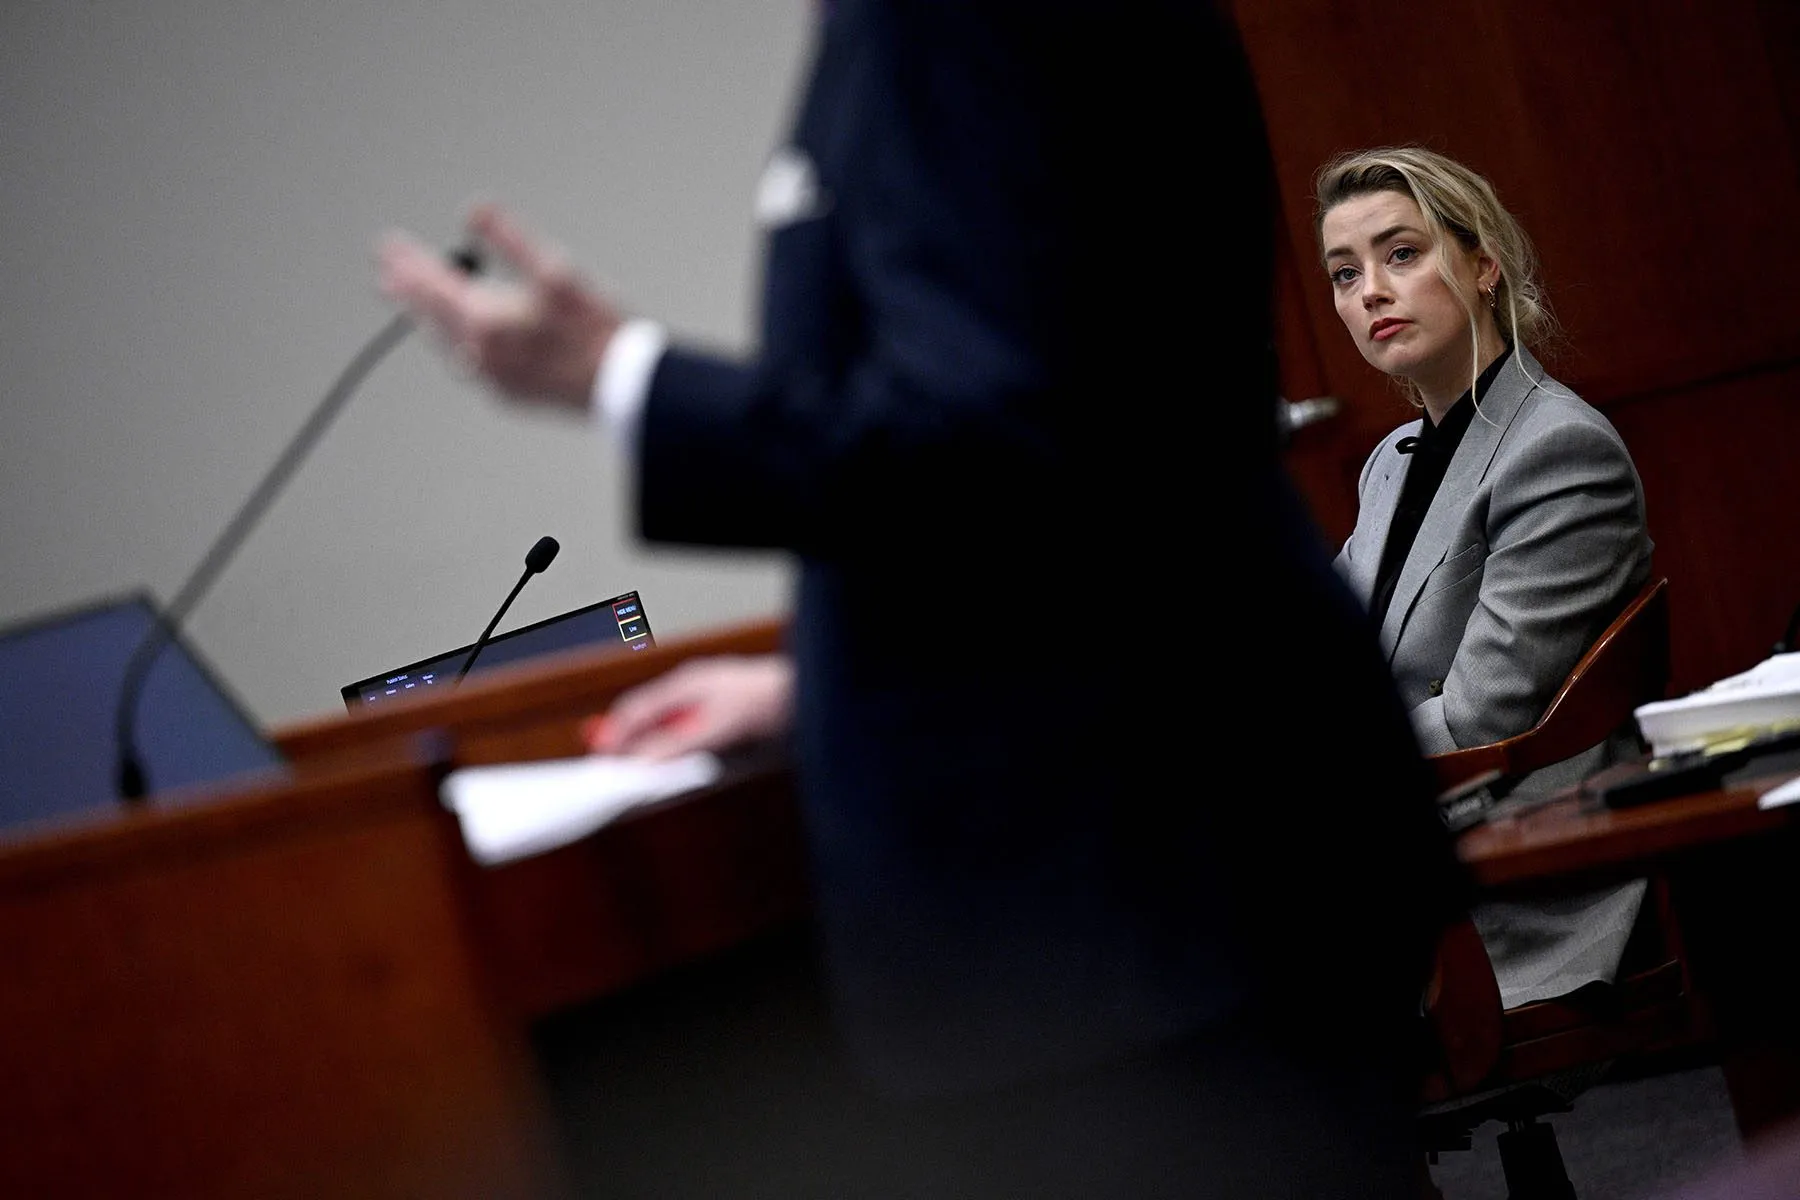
<point>1404,318</point>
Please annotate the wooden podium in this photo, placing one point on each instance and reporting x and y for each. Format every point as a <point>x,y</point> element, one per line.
<point>661,886</point>
<point>307,988</point>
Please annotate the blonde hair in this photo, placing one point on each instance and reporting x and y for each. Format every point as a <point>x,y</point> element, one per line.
<point>1456,203</point>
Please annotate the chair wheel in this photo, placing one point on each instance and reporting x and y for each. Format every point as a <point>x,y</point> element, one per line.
<point>1533,1163</point>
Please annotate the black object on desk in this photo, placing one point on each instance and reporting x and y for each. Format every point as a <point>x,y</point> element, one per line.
<point>1628,784</point>
<point>620,621</point>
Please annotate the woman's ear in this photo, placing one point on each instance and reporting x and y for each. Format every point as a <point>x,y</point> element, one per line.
<point>1487,272</point>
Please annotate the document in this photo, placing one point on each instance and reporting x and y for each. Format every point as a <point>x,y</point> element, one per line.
<point>1760,701</point>
<point>516,810</point>
<point>1785,793</point>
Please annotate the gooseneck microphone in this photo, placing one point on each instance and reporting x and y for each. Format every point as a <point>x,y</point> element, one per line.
<point>132,782</point>
<point>536,560</point>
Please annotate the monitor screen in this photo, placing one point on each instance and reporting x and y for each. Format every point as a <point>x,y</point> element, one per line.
<point>61,679</point>
<point>620,621</point>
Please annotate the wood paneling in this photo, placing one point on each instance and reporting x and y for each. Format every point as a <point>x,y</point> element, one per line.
<point>1650,148</point>
<point>1721,468</point>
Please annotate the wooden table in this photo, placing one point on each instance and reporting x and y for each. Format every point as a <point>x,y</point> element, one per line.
<point>1569,838</point>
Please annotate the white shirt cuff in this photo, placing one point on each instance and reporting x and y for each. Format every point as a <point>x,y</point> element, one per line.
<point>622,383</point>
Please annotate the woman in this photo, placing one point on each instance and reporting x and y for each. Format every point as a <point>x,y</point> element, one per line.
<point>1499,533</point>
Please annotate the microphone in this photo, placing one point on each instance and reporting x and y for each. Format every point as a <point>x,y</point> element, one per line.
<point>1790,638</point>
<point>536,560</point>
<point>1295,415</point>
<point>131,780</point>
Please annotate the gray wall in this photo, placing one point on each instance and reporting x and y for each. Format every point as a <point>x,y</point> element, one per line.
<point>190,192</point>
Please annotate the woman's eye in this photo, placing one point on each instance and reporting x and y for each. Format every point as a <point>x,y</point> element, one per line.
<point>1404,254</point>
<point>1343,275</point>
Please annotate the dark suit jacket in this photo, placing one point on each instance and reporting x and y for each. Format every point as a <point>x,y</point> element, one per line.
<point>1015,369</point>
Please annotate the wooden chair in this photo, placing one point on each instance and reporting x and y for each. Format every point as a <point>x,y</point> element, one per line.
<point>1628,665</point>
<point>1489,1063</point>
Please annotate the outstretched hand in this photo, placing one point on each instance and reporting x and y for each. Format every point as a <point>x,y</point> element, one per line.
<point>714,703</point>
<point>538,337</point>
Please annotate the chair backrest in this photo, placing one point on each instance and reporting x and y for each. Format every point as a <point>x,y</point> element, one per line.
<point>1627,666</point>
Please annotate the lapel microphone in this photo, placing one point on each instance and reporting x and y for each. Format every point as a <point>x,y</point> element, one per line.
<point>536,560</point>
<point>131,778</point>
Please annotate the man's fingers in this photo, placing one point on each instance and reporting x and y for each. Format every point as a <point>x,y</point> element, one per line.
<point>663,743</point>
<point>417,276</point>
<point>664,734</point>
<point>533,259</point>
<point>598,734</point>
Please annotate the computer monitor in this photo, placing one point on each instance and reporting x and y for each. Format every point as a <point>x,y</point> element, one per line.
<point>61,678</point>
<point>620,621</point>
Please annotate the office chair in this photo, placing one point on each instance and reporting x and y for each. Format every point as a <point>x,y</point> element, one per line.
<point>1521,1064</point>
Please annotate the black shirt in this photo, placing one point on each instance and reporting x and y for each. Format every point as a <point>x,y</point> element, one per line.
<point>1431,452</point>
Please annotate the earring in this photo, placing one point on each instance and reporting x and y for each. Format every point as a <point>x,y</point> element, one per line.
<point>1493,297</point>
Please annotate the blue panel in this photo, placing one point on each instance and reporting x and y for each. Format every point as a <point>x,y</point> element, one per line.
<point>60,680</point>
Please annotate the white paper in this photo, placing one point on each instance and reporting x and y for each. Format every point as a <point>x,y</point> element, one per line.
<point>1761,700</point>
<point>515,810</point>
<point>1785,793</point>
<point>1778,671</point>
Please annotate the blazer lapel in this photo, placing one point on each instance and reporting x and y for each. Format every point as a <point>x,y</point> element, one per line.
<point>1468,466</point>
<point>1381,497</point>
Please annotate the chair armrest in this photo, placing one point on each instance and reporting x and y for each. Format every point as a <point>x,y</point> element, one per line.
<point>1454,767</point>
<point>1462,1013</point>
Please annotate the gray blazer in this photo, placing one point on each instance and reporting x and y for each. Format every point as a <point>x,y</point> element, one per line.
<point>1534,542</point>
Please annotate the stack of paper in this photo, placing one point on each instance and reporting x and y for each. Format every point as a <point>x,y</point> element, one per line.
<point>1785,793</point>
<point>1763,700</point>
<point>520,809</point>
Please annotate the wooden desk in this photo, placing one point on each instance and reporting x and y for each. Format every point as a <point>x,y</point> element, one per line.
<point>660,887</point>
<point>1565,840</point>
<point>274,991</point>
<point>304,987</point>
<point>662,967</point>
<point>1730,868</point>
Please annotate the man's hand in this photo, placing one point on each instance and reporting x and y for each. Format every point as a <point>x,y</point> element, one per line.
<point>540,337</point>
<point>713,703</point>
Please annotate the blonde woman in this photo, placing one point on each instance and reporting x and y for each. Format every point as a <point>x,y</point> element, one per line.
<point>1499,532</point>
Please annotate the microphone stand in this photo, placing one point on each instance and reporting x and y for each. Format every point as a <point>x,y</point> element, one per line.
<point>482,641</point>
<point>540,557</point>
<point>132,784</point>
